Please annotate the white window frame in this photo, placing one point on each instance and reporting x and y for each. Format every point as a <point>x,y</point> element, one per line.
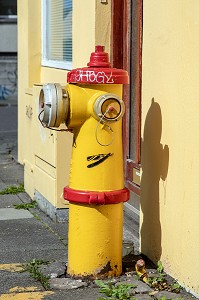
<point>46,62</point>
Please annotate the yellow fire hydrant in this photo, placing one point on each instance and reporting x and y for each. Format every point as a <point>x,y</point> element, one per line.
<point>92,107</point>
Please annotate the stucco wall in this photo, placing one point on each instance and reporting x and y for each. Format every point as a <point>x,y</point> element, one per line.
<point>170,137</point>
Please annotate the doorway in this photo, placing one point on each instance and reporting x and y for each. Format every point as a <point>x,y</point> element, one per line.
<point>126,50</point>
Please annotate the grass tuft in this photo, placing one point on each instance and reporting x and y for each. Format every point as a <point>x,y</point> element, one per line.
<point>12,189</point>
<point>32,204</point>
<point>33,268</point>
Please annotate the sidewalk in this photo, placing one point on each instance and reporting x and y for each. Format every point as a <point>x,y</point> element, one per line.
<point>29,237</point>
<point>25,234</point>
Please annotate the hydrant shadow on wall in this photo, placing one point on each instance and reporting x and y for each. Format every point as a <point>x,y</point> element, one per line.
<point>91,106</point>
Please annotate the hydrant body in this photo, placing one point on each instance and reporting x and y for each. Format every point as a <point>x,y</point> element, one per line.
<point>95,228</point>
<point>96,189</point>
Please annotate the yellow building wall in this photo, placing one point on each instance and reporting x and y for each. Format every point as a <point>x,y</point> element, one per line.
<point>170,137</point>
<point>46,153</point>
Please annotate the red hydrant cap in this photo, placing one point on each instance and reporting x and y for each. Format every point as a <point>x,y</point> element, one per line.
<point>99,58</point>
<point>99,71</point>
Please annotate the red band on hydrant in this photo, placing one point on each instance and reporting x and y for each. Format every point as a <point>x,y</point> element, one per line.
<point>99,71</point>
<point>85,197</point>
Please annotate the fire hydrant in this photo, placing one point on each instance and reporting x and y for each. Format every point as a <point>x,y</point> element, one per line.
<point>92,108</point>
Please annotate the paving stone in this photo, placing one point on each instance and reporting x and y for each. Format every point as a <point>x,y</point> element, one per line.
<point>168,295</point>
<point>23,240</point>
<point>24,197</point>
<point>53,270</point>
<point>66,283</point>
<point>4,160</point>
<point>6,148</point>
<point>187,297</point>
<point>11,280</point>
<point>2,185</point>
<point>143,297</point>
<point>130,279</point>
<point>9,200</point>
<point>76,294</point>
<point>12,173</point>
<point>141,287</point>
<point>14,214</point>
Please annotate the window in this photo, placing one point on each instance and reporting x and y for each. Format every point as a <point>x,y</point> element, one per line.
<point>57,34</point>
<point>8,10</point>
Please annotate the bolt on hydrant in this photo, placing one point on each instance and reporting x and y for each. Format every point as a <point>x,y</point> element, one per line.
<point>91,106</point>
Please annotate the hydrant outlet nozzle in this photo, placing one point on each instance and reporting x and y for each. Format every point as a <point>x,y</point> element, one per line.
<point>109,108</point>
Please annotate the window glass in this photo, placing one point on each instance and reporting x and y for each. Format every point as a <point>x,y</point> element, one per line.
<point>57,34</point>
<point>8,8</point>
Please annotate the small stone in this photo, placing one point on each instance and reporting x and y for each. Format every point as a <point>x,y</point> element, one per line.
<point>53,275</point>
<point>152,273</point>
<point>54,269</point>
<point>66,283</point>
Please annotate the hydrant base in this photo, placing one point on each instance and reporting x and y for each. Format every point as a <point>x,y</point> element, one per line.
<point>95,240</point>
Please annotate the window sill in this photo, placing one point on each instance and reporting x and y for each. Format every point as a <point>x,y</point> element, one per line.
<point>57,64</point>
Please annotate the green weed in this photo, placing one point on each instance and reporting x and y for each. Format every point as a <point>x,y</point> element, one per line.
<point>160,282</point>
<point>176,287</point>
<point>155,281</point>
<point>32,204</point>
<point>160,267</point>
<point>33,268</point>
<point>120,291</point>
<point>12,189</point>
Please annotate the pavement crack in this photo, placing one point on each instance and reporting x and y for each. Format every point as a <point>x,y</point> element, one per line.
<point>50,229</point>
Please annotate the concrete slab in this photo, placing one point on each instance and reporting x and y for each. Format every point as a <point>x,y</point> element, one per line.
<point>26,255</point>
<point>16,281</point>
<point>25,198</point>
<point>12,173</point>
<point>2,184</point>
<point>77,294</point>
<point>9,201</point>
<point>60,228</point>
<point>22,240</point>
<point>14,214</point>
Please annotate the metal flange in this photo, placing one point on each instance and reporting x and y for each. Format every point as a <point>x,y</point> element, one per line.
<point>53,105</point>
